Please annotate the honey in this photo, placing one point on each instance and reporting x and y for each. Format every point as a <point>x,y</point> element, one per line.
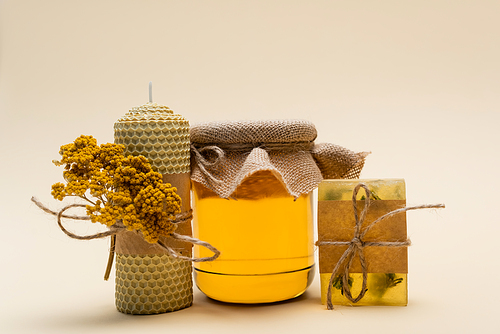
<point>265,237</point>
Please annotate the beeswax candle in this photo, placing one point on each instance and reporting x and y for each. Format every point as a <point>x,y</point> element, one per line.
<point>148,280</point>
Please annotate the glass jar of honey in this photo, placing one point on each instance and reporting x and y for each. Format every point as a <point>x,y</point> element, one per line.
<point>252,187</point>
<point>265,238</point>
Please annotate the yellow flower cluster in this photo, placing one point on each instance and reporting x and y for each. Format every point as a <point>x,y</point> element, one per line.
<point>118,188</point>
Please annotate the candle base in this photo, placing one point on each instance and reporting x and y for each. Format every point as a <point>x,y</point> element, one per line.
<point>152,284</point>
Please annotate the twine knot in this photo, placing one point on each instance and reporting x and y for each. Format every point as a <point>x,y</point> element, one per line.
<point>357,242</point>
<point>203,163</point>
<point>356,245</point>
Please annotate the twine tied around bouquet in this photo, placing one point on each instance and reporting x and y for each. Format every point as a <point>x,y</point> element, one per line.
<point>357,245</point>
<point>118,228</point>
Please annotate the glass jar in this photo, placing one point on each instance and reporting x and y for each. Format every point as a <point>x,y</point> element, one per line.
<point>265,237</point>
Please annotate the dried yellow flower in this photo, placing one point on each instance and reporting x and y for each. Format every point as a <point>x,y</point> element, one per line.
<point>118,188</point>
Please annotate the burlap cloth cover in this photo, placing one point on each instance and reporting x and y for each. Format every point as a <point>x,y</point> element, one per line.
<point>225,153</point>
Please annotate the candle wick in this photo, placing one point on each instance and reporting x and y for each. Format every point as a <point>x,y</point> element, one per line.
<point>150,92</point>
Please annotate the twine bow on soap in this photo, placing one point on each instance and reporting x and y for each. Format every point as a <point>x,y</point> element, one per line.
<point>118,228</point>
<point>356,245</point>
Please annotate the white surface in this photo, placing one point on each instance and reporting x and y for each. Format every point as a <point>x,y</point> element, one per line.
<point>415,82</point>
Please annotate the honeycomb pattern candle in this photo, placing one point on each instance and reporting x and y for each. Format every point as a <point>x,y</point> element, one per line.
<point>149,281</point>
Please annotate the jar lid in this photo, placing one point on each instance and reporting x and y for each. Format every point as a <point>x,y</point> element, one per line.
<point>226,153</point>
<point>257,132</point>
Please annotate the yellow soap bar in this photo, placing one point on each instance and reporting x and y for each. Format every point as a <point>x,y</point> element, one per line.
<point>387,267</point>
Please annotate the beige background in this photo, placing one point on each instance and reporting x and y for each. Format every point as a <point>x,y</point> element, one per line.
<point>415,82</point>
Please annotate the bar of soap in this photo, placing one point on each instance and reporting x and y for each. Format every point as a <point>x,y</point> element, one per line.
<point>387,267</point>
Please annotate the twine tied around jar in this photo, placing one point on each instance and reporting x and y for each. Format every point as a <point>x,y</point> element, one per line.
<point>219,150</point>
<point>118,228</point>
<point>357,245</point>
